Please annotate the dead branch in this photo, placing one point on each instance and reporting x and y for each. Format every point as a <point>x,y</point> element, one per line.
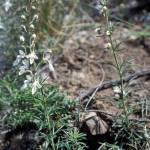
<point>111,83</point>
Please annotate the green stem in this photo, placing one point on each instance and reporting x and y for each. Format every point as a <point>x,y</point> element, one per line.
<point>118,68</point>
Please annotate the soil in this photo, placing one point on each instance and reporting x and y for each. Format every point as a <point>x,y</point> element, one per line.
<point>86,62</point>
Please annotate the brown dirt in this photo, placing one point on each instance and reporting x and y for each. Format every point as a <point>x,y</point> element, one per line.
<point>86,62</point>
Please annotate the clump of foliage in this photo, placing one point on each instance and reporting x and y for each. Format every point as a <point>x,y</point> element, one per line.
<point>52,112</point>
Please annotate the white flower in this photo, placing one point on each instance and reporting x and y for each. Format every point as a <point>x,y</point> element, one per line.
<point>31,26</point>
<point>24,28</point>
<point>103,10</point>
<point>27,82</point>
<point>22,54</point>
<point>47,58</point>
<point>97,30</point>
<point>108,33</point>
<point>32,57</point>
<point>23,17</point>
<point>33,36</point>
<point>23,69</point>
<point>33,7</point>
<point>35,17</point>
<point>51,67</point>
<point>7,5</point>
<point>22,39</point>
<point>19,58</point>
<point>116,90</point>
<point>36,85</point>
<point>17,61</point>
<point>108,45</point>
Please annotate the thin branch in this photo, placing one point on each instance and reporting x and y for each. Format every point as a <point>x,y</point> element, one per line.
<point>111,83</point>
<point>95,91</point>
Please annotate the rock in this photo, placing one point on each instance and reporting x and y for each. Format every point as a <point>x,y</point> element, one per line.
<point>96,125</point>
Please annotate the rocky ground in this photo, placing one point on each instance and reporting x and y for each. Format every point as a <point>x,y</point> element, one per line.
<point>86,63</point>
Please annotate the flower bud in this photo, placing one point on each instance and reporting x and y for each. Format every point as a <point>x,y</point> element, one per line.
<point>31,26</point>
<point>23,17</point>
<point>33,7</point>
<point>33,36</point>
<point>103,10</point>
<point>108,33</point>
<point>97,30</point>
<point>35,17</point>
<point>108,45</point>
<point>22,39</point>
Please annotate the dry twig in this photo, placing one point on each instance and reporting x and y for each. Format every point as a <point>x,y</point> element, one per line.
<point>111,83</point>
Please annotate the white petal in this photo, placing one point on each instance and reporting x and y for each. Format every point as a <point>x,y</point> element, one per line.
<point>36,56</point>
<point>33,89</point>
<point>22,54</point>
<point>25,85</point>
<point>116,89</point>
<point>17,61</point>
<point>31,60</point>
<point>35,86</point>
<point>22,69</point>
<point>39,85</point>
<point>51,68</point>
<point>22,39</point>
<point>7,5</point>
<point>32,56</point>
<point>21,72</point>
<point>25,63</point>
<point>28,77</point>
